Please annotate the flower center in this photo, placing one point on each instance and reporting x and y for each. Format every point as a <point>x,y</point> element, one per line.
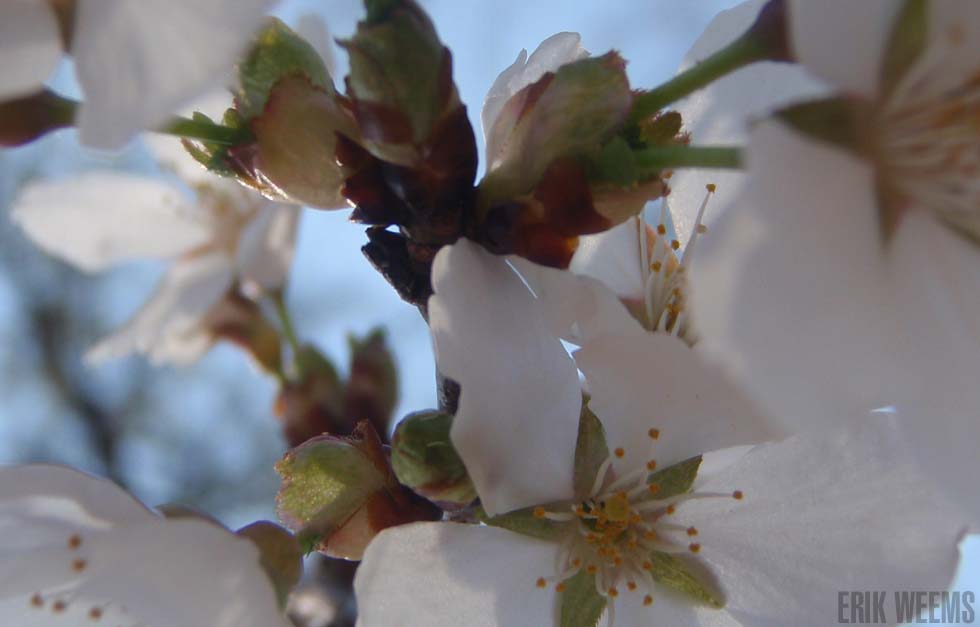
<point>929,139</point>
<point>665,277</point>
<point>617,531</point>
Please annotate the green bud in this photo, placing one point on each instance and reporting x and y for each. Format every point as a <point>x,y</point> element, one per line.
<point>278,52</point>
<point>313,404</point>
<point>400,79</point>
<point>281,556</point>
<point>424,459</point>
<point>337,493</point>
<point>240,321</point>
<point>296,136</point>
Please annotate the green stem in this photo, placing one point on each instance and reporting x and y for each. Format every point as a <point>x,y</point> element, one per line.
<point>286,321</point>
<point>667,157</point>
<point>62,112</point>
<point>745,50</point>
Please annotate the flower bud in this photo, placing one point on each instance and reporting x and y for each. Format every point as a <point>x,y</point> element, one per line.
<point>314,404</point>
<point>424,459</point>
<point>372,387</point>
<point>337,493</point>
<point>240,321</point>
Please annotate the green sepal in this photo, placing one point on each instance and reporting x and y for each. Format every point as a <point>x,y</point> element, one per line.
<point>278,52</point>
<point>581,603</point>
<point>675,574</point>
<point>838,121</point>
<point>524,522</point>
<point>676,479</point>
<point>590,451</point>
<point>614,164</point>
<point>906,42</point>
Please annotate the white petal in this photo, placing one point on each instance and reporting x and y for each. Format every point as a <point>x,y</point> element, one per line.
<point>720,114</point>
<point>30,46</point>
<point>613,257</point>
<point>448,574</point>
<point>267,244</point>
<point>551,54</point>
<point>96,220</point>
<point>169,326</point>
<point>519,407</point>
<point>791,287</point>
<point>669,608</point>
<point>937,396</point>
<point>653,380</point>
<point>842,41</point>
<point>87,543</point>
<point>822,513</point>
<point>140,62</point>
<point>576,307</point>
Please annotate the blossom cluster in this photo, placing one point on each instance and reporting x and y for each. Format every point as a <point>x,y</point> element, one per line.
<point>684,367</point>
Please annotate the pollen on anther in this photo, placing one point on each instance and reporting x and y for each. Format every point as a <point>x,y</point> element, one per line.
<point>675,244</point>
<point>656,266</point>
<point>653,488</point>
<point>631,585</point>
<point>692,531</point>
<point>541,583</point>
<point>647,566</point>
<point>648,600</point>
<point>654,434</point>
<point>619,452</point>
<point>661,229</point>
<point>74,541</point>
<point>78,565</point>
<point>591,569</point>
<point>652,464</point>
<point>668,173</point>
<point>737,495</point>
<point>560,587</point>
<point>539,512</point>
<point>695,547</point>
<point>613,592</point>
<point>671,509</point>
<point>59,606</point>
<point>711,187</point>
<point>576,562</point>
<point>37,601</point>
<point>95,613</point>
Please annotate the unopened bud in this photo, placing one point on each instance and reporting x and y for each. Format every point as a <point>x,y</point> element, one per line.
<point>314,404</point>
<point>424,459</point>
<point>372,387</point>
<point>337,493</point>
<point>240,321</point>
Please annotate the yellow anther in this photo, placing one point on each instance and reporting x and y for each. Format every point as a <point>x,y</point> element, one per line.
<point>695,547</point>
<point>648,600</point>
<point>78,565</point>
<point>692,531</point>
<point>737,495</point>
<point>613,592</point>
<point>74,541</point>
<point>667,174</point>
<point>675,244</point>
<point>702,228</point>
<point>541,583</point>
<point>661,229</point>
<point>59,606</point>
<point>652,464</point>
<point>560,587</point>
<point>37,601</point>
<point>591,569</point>
<point>577,563</point>
<point>95,613</point>
<point>653,488</point>
<point>654,434</point>
<point>647,566</point>
<point>649,535</point>
<point>671,509</point>
<point>656,266</point>
<point>711,187</point>
<point>631,585</point>
<point>539,512</point>
<point>619,452</point>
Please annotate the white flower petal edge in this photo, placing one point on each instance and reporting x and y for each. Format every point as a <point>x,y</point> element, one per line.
<point>174,51</point>
<point>844,509</point>
<point>520,402</point>
<point>170,327</point>
<point>551,54</point>
<point>97,220</point>
<point>77,549</point>
<point>448,574</point>
<point>841,41</point>
<point>644,381</point>
<point>721,113</point>
<point>30,46</point>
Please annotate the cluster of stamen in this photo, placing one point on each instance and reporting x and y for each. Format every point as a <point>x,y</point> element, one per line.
<point>664,276</point>
<point>59,602</point>
<point>928,137</point>
<point>613,533</point>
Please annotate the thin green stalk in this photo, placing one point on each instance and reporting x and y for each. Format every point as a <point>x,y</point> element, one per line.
<point>667,157</point>
<point>743,51</point>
